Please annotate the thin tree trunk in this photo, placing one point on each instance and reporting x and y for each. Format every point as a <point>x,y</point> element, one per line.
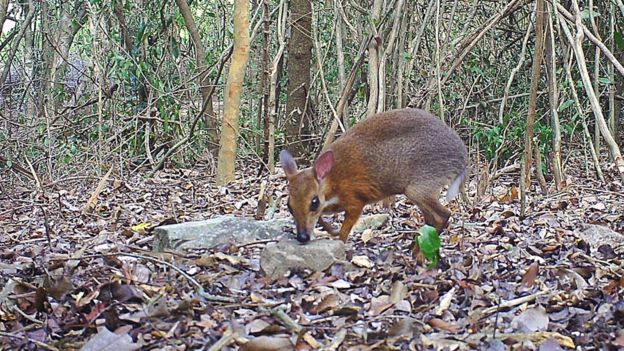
<point>414,45</point>
<point>577,44</point>
<point>580,111</point>
<point>16,41</point>
<point>373,60</point>
<point>466,45</point>
<point>512,75</point>
<point>592,21</point>
<point>67,30</point>
<point>123,26</point>
<point>551,69</point>
<point>605,50</point>
<point>232,96</point>
<point>538,170</point>
<point>612,84</point>
<point>387,51</point>
<point>200,58</point>
<point>319,62</point>
<point>298,87</point>
<point>344,95</point>
<point>265,83</point>
<point>340,59</point>
<point>4,5</point>
<point>273,88</point>
<point>535,78</point>
<point>437,61</point>
<point>523,185</point>
<point>400,61</point>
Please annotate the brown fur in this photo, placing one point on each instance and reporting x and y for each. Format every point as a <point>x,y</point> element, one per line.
<point>406,151</point>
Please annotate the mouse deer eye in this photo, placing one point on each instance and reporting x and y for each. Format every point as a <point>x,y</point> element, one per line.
<point>314,205</point>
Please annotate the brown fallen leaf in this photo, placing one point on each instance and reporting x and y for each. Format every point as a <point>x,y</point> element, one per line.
<point>95,312</point>
<point>328,302</point>
<point>528,279</point>
<point>268,343</point>
<point>362,261</point>
<point>379,304</point>
<point>443,325</point>
<point>510,196</point>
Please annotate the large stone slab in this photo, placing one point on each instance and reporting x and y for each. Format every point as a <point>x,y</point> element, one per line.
<point>216,231</point>
<point>318,255</point>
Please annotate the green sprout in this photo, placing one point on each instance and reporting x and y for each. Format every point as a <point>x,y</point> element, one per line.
<point>429,244</point>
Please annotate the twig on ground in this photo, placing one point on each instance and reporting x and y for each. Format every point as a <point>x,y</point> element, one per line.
<point>514,302</point>
<point>38,343</point>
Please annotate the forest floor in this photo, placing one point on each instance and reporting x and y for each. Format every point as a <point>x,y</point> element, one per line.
<point>505,282</point>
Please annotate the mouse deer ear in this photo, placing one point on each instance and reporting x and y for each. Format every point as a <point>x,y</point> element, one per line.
<point>288,163</point>
<point>324,165</point>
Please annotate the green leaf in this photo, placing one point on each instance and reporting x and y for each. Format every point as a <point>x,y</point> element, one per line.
<point>604,80</point>
<point>585,14</point>
<point>566,104</point>
<point>619,39</point>
<point>429,243</point>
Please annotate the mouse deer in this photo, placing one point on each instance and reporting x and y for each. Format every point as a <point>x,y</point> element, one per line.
<point>404,151</point>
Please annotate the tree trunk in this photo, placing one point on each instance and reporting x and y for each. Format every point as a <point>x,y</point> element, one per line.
<point>71,22</point>
<point>386,54</point>
<point>551,69</point>
<point>299,60</point>
<point>25,25</point>
<point>577,102</point>
<point>265,83</point>
<point>596,71</point>
<point>617,86</point>
<point>274,79</point>
<point>340,60</point>
<point>4,5</point>
<point>577,45</point>
<point>232,96</point>
<point>535,78</point>
<point>205,86</point>
<point>373,61</point>
<point>400,61</point>
<point>437,62</point>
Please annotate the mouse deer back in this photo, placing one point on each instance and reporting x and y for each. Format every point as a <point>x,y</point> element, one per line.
<point>404,151</point>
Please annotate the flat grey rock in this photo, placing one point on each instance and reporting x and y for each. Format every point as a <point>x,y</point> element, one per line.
<point>597,235</point>
<point>216,231</point>
<point>317,255</point>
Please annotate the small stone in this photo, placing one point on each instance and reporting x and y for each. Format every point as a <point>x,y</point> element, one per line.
<point>317,255</point>
<point>375,221</point>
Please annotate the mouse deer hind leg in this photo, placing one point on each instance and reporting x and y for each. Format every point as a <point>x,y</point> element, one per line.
<point>433,212</point>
